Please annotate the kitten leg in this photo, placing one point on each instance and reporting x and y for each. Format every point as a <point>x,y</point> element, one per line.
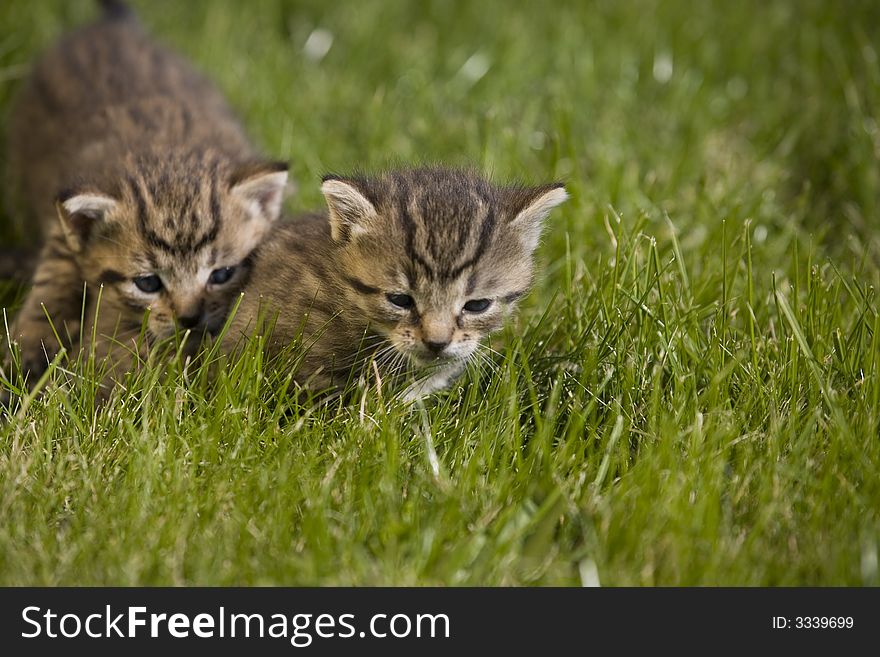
<point>57,291</point>
<point>437,381</point>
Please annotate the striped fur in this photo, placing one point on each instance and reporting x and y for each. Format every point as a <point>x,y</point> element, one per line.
<point>440,236</point>
<point>128,163</point>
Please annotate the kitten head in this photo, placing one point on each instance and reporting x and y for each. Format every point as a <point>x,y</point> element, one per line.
<point>435,258</point>
<point>172,236</point>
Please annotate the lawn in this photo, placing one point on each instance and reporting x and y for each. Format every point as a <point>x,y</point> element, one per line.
<point>690,396</point>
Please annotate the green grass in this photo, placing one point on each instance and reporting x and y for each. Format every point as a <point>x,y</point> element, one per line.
<point>690,396</point>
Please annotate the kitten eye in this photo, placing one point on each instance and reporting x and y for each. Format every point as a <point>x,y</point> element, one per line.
<point>401,300</point>
<point>477,305</point>
<point>221,275</point>
<point>149,283</point>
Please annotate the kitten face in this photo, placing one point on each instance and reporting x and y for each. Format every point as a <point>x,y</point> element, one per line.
<point>172,241</point>
<point>428,314</point>
<point>436,259</point>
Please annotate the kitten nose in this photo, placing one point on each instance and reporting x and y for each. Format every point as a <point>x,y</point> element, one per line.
<point>436,347</point>
<point>190,321</point>
<point>189,313</point>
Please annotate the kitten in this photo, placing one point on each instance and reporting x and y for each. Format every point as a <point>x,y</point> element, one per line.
<point>413,268</point>
<point>146,192</point>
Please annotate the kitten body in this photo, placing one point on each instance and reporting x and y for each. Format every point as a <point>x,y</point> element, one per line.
<point>139,181</point>
<point>410,271</point>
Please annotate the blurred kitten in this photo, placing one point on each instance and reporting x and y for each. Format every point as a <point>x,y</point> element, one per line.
<point>140,181</point>
<point>412,270</point>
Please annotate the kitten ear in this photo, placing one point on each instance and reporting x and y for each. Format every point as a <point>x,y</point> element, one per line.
<point>81,213</point>
<point>351,213</point>
<point>532,207</point>
<point>260,188</point>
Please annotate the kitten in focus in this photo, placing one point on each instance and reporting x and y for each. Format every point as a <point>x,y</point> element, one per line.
<point>408,271</point>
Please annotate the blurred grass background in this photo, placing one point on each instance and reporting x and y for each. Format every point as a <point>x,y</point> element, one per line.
<point>691,395</point>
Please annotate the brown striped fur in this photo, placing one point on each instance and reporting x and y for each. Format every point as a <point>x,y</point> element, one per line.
<point>127,163</point>
<point>441,237</point>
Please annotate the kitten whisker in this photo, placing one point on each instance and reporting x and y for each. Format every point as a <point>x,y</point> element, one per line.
<point>360,359</point>
<point>483,352</point>
<point>489,349</point>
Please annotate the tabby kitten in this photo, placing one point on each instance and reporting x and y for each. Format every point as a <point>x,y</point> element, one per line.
<point>164,198</point>
<point>412,270</point>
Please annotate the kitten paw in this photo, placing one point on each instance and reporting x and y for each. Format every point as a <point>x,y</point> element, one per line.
<point>423,388</point>
<point>415,392</point>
